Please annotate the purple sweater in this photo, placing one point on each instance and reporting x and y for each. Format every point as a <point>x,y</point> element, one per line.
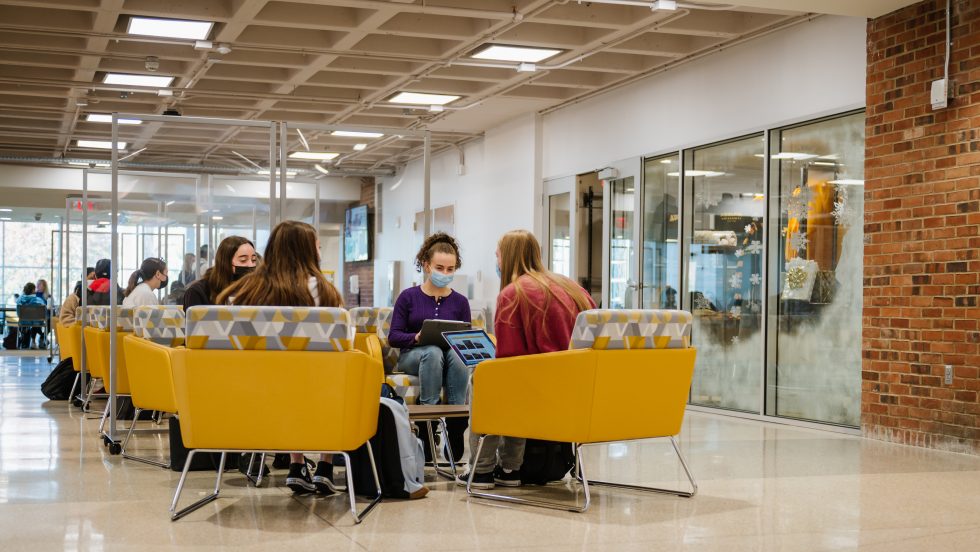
<point>413,307</point>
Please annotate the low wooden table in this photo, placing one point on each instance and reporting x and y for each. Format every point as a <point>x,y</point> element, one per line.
<point>429,413</point>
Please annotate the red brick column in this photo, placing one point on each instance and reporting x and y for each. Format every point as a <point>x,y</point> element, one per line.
<point>922,215</point>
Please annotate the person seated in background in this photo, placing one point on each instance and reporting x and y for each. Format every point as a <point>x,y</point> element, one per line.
<point>29,297</point>
<point>188,273</point>
<point>290,277</point>
<point>234,259</point>
<point>536,312</point>
<point>99,290</point>
<point>69,307</point>
<point>202,261</point>
<point>42,292</point>
<point>151,276</point>
<point>438,259</point>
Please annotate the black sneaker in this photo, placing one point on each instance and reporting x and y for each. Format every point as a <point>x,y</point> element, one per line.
<point>299,479</point>
<point>507,479</point>
<point>280,462</point>
<point>243,465</point>
<point>323,478</point>
<point>480,480</point>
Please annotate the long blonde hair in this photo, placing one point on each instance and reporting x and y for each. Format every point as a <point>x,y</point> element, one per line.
<point>291,257</point>
<point>520,255</point>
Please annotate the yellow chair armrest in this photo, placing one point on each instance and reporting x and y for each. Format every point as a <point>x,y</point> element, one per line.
<point>150,374</point>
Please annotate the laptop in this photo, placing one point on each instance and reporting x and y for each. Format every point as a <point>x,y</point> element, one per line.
<point>432,331</point>
<point>472,346</point>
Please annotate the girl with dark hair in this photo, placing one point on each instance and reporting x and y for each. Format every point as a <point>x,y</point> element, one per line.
<point>151,276</point>
<point>234,260</point>
<point>290,276</point>
<point>438,259</point>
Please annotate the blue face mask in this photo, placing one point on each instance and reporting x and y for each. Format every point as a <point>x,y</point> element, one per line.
<point>498,271</point>
<point>440,280</point>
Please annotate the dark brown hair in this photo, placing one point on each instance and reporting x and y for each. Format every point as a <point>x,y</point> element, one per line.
<point>147,270</point>
<point>222,274</point>
<point>290,259</point>
<point>440,242</point>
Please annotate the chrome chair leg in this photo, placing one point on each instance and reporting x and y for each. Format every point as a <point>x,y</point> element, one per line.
<point>359,516</point>
<point>78,379</point>
<point>678,492</point>
<point>435,453</point>
<point>105,416</point>
<point>529,501</point>
<point>177,514</point>
<point>129,435</point>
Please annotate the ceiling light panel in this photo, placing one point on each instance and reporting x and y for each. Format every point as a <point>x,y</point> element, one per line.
<point>104,118</point>
<point>157,81</point>
<point>170,28</point>
<point>313,155</point>
<point>99,144</point>
<point>354,134</point>
<point>360,147</point>
<point>421,98</point>
<point>500,52</point>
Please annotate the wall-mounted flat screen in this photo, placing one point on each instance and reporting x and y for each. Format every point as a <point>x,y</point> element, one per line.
<point>356,235</point>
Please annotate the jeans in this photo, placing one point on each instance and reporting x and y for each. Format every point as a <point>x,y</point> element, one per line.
<point>436,367</point>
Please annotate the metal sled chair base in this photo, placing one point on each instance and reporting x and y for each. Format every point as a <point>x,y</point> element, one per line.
<point>176,514</point>
<point>451,475</point>
<point>129,434</point>
<point>580,475</point>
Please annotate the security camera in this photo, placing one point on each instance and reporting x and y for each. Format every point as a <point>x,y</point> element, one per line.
<point>37,217</point>
<point>152,63</point>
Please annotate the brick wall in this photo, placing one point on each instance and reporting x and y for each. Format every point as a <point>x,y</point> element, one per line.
<point>922,191</point>
<point>364,270</point>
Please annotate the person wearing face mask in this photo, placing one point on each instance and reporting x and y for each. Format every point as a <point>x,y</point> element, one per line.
<point>151,276</point>
<point>234,259</point>
<point>436,368</point>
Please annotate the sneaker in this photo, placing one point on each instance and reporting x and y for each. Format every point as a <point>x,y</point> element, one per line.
<point>299,479</point>
<point>323,478</point>
<point>507,478</point>
<point>480,480</point>
<point>243,461</point>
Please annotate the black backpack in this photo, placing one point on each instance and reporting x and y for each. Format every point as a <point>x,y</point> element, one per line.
<point>546,461</point>
<point>387,457</point>
<point>58,384</point>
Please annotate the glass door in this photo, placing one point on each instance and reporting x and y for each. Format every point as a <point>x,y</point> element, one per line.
<point>560,233</point>
<point>659,221</point>
<point>623,276</point>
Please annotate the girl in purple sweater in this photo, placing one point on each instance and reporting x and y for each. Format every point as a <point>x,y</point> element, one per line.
<point>439,260</point>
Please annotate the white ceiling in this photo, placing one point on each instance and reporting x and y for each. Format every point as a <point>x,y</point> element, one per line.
<point>336,62</point>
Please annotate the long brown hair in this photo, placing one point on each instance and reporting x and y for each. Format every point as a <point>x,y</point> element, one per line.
<point>520,255</point>
<point>440,242</point>
<point>147,270</point>
<point>290,259</point>
<point>222,274</point>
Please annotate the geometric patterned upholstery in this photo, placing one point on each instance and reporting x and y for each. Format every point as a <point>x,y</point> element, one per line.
<point>98,316</point>
<point>388,353</point>
<point>269,328</point>
<point>408,387</point>
<point>161,324</point>
<point>365,320</point>
<point>632,329</point>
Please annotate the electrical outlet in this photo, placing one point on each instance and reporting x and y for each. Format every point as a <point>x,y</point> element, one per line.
<point>949,375</point>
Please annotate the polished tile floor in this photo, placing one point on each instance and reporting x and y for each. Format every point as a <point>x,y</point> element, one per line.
<point>762,487</point>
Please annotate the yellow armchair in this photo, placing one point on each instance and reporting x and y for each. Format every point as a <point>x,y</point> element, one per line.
<point>317,394</point>
<point>587,395</point>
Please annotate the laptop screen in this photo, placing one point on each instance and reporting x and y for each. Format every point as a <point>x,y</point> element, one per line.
<point>473,346</point>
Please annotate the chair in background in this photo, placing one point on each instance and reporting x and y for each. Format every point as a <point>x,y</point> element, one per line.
<point>30,318</point>
<point>287,349</point>
<point>366,332</point>
<point>588,395</point>
<point>157,330</point>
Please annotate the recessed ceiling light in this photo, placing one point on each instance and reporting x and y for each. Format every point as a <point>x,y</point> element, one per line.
<point>359,147</point>
<point>321,168</point>
<point>99,144</point>
<point>313,155</point>
<point>103,118</point>
<point>4,218</point>
<point>422,98</point>
<point>355,134</point>
<point>217,218</point>
<point>288,172</point>
<point>502,52</point>
<point>5,210</point>
<point>88,163</point>
<point>157,81</point>
<point>170,28</point>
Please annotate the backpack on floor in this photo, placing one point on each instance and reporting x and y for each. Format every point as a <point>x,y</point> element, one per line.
<point>10,340</point>
<point>397,454</point>
<point>546,461</point>
<point>58,384</point>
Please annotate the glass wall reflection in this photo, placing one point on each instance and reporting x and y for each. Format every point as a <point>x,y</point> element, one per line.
<point>560,233</point>
<point>726,183</point>
<point>818,173</point>
<point>661,255</point>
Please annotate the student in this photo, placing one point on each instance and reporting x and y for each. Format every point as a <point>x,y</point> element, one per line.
<point>290,276</point>
<point>99,288</point>
<point>29,297</point>
<point>438,259</point>
<point>234,259</point>
<point>536,312</point>
<point>69,307</point>
<point>41,290</point>
<point>151,276</point>
<point>189,272</point>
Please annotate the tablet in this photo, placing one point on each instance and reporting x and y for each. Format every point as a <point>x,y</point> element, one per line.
<point>432,330</point>
<point>472,346</point>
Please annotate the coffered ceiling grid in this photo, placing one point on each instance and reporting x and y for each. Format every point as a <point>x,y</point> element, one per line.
<point>325,61</point>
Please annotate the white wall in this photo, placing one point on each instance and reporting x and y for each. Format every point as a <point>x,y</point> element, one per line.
<point>807,70</point>
<point>495,194</point>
